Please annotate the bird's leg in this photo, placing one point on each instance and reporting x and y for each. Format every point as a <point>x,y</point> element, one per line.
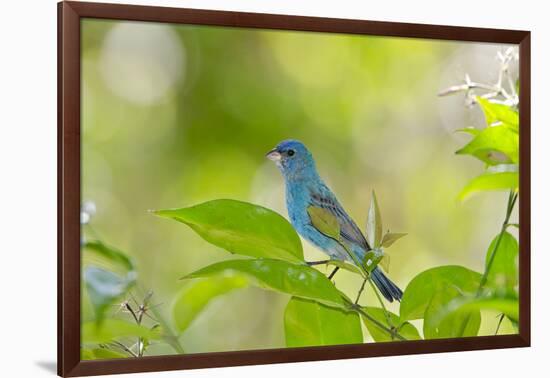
<point>333,273</point>
<point>313,263</point>
<point>361,290</point>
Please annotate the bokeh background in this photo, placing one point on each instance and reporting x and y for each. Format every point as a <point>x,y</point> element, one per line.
<point>176,115</point>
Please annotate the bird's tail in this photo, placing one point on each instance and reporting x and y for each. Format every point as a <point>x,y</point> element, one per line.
<point>389,290</point>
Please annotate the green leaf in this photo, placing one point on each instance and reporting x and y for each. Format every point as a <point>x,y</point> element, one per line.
<point>374,223</point>
<point>372,258</point>
<point>100,354</point>
<point>460,323</point>
<point>109,281</point>
<point>432,290</point>
<point>104,288</point>
<point>420,290</point>
<point>508,306</point>
<point>469,130</point>
<point>390,238</point>
<point>324,222</point>
<point>384,259</point>
<point>297,280</point>
<point>490,182</point>
<point>503,275</point>
<point>112,329</point>
<point>309,323</point>
<point>499,113</point>
<point>242,228</point>
<point>111,254</point>
<point>196,295</point>
<point>344,265</point>
<point>385,262</point>
<point>494,145</point>
<point>405,329</point>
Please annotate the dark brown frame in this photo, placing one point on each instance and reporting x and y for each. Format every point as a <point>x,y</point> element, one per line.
<point>69,15</point>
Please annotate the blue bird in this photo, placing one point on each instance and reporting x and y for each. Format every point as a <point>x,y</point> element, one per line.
<point>304,188</point>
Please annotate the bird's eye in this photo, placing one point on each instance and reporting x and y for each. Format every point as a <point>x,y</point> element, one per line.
<point>290,152</point>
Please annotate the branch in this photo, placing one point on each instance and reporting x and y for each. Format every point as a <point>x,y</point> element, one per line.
<point>124,348</point>
<point>386,313</point>
<point>492,91</point>
<point>393,333</point>
<point>512,197</point>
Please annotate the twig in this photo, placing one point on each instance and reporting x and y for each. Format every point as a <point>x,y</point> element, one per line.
<point>131,311</point>
<point>366,275</point>
<point>333,273</point>
<point>509,95</point>
<point>386,313</point>
<point>169,336</point>
<point>361,290</point>
<point>124,347</point>
<point>393,333</point>
<point>512,197</point>
<point>501,318</point>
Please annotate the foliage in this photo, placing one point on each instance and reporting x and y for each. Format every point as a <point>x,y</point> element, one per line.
<point>104,288</point>
<point>447,301</point>
<point>406,329</point>
<point>434,289</point>
<point>490,182</point>
<point>374,234</point>
<point>196,295</point>
<point>310,323</point>
<point>93,333</point>
<point>242,228</point>
<point>420,291</point>
<point>316,305</point>
<point>503,275</point>
<point>496,145</point>
<point>297,280</point>
<point>109,276</point>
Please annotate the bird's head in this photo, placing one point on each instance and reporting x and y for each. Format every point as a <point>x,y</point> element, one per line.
<point>293,159</point>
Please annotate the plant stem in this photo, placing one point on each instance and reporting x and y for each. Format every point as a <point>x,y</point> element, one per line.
<point>512,197</point>
<point>137,319</point>
<point>333,273</point>
<point>393,333</point>
<point>169,336</point>
<point>386,313</point>
<point>361,290</point>
<point>131,311</point>
<point>501,318</point>
<point>124,348</point>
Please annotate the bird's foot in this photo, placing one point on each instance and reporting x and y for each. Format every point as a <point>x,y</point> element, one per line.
<point>331,275</point>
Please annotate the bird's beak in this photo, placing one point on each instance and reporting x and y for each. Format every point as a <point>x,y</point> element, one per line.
<point>273,155</point>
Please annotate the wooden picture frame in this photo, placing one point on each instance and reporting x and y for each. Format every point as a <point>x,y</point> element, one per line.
<point>70,15</point>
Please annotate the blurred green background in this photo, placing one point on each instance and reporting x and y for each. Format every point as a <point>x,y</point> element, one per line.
<point>176,115</point>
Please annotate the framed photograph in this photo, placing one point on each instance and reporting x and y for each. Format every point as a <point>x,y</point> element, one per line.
<point>240,188</point>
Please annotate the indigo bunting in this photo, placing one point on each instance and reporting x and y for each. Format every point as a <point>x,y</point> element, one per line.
<point>304,189</point>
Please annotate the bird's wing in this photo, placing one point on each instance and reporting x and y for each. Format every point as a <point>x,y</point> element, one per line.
<point>348,229</point>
